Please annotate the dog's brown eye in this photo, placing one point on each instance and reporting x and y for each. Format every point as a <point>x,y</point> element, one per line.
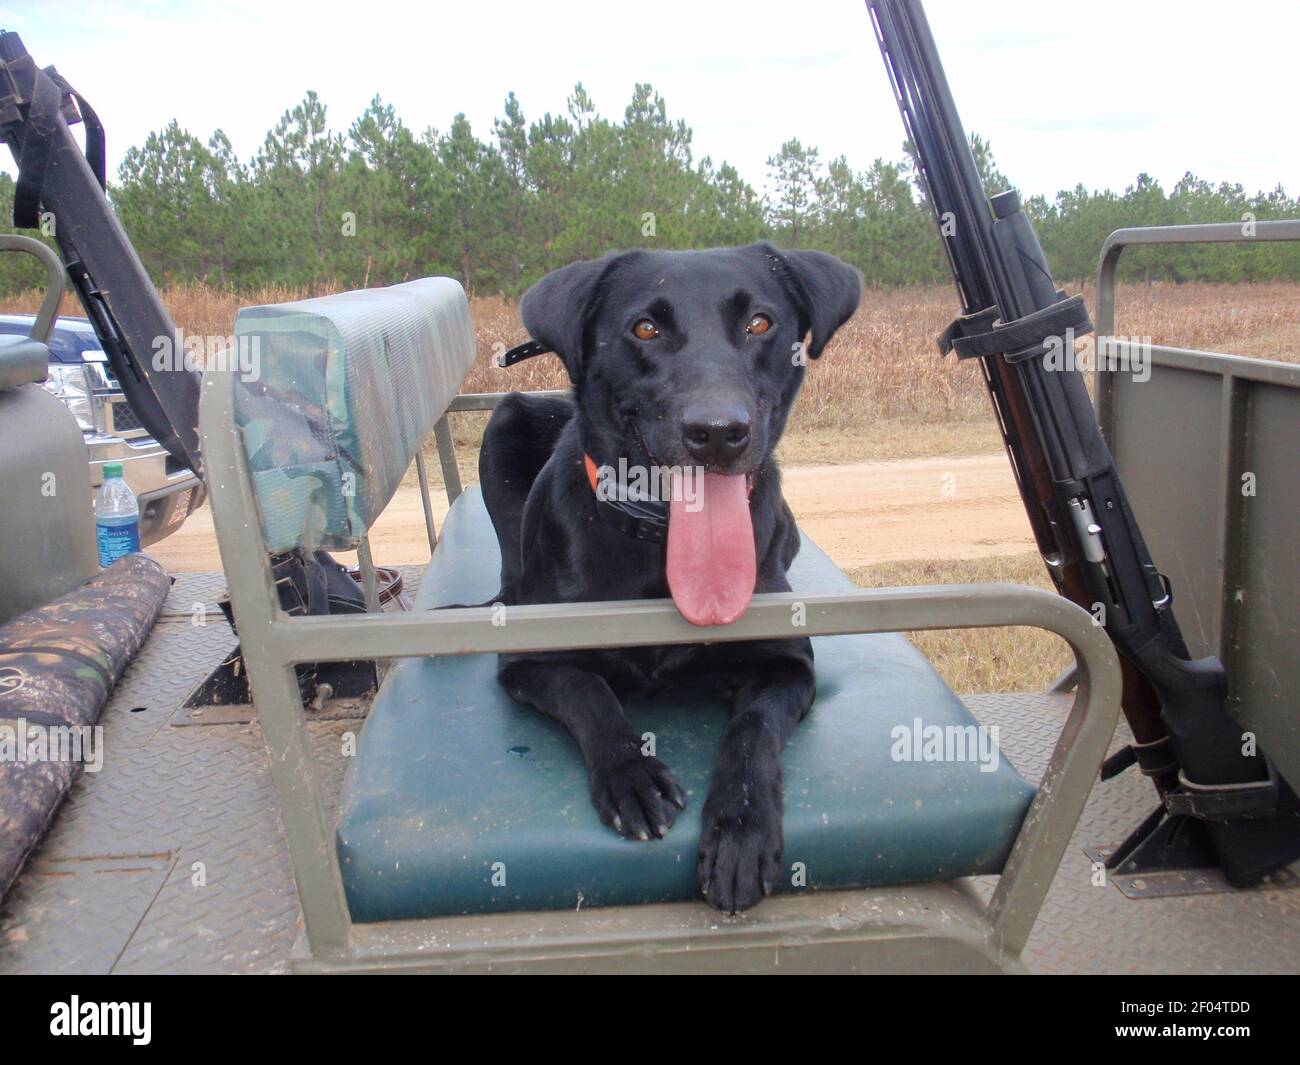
<point>758,325</point>
<point>645,330</point>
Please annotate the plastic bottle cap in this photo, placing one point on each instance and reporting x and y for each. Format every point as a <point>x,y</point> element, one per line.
<point>112,469</point>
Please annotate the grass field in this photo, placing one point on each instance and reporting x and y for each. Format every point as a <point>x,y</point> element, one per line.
<point>880,391</point>
<point>979,660</point>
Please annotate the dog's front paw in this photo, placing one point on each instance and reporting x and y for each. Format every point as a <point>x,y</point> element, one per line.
<point>740,842</point>
<point>636,796</point>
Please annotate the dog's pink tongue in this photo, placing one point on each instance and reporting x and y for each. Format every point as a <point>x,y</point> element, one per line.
<point>711,565</point>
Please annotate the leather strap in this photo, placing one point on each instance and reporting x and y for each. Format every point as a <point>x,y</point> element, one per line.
<point>519,352</point>
<point>980,335</point>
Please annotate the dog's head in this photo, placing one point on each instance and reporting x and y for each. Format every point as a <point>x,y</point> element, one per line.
<point>690,361</point>
<point>690,358</point>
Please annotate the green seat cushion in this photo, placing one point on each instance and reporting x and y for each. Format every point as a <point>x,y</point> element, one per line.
<point>461,801</point>
<point>324,375</point>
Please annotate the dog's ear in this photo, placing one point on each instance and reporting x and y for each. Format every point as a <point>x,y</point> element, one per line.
<point>557,310</point>
<point>826,290</point>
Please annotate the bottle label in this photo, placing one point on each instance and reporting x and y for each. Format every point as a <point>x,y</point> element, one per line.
<point>116,541</point>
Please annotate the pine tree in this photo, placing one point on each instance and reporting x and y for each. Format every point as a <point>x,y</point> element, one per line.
<point>381,204</point>
<point>793,172</point>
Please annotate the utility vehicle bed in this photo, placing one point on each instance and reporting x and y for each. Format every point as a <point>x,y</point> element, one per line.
<point>176,856</point>
<point>173,859</point>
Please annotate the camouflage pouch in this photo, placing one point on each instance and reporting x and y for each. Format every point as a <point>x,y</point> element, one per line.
<point>58,664</point>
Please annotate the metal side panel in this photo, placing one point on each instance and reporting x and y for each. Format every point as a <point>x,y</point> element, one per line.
<point>48,546</point>
<point>1208,450</point>
<point>1207,447</point>
<point>1264,599</point>
<point>1166,444</point>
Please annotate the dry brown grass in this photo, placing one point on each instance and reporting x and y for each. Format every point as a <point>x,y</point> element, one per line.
<point>883,363</point>
<point>880,390</point>
<point>979,660</point>
<point>1257,320</point>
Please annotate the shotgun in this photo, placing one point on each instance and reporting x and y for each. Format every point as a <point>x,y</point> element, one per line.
<point>1221,799</point>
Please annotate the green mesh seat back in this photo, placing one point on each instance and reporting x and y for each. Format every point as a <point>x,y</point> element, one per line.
<point>344,390</point>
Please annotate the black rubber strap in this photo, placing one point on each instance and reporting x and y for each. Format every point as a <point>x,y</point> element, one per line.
<point>1224,802</point>
<point>522,351</point>
<point>1155,759</point>
<point>973,324</point>
<point>34,157</point>
<point>1118,762</point>
<point>1021,339</point>
<point>95,141</point>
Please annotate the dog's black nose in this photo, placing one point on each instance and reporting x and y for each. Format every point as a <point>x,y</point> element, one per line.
<point>716,434</point>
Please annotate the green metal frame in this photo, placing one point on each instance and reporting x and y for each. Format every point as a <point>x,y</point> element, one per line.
<point>925,927</point>
<point>1182,442</point>
<point>54,279</point>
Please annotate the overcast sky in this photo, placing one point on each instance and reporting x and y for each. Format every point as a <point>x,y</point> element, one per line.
<point>1067,92</point>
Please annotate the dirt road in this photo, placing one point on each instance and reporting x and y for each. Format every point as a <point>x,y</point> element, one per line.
<point>858,513</point>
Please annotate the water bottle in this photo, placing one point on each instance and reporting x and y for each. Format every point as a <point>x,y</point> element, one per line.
<point>117,517</point>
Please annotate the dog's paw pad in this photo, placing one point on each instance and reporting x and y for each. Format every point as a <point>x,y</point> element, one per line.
<point>637,797</point>
<point>740,848</point>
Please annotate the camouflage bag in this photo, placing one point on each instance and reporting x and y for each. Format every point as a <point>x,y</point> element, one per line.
<point>58,664</point>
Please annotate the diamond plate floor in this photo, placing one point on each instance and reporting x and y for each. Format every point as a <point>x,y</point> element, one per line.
<point>172,858</point>
<point>1085,928</point>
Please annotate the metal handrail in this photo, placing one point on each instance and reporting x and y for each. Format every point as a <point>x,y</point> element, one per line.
<point>53,275</point>
<point>1207,233</point>
<point>1236,432</point>
<point>1150,236</point>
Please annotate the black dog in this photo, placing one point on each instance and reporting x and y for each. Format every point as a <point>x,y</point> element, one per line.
<point>688,361</point>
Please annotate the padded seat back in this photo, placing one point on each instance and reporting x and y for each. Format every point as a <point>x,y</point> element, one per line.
<point>342,391</point>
